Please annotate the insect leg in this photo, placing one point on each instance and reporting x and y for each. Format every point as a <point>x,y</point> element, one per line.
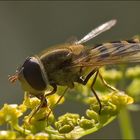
<point>43,100</point>
<point>93,82</point>
<point>84,81</point>
<point>57,102</point>
<point>53,91</point>
<point>106,84</point>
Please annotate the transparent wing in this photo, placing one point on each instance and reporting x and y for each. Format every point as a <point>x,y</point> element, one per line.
<point>109,53</point>
<point>95,32</point>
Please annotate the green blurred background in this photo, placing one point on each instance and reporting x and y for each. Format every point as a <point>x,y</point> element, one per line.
<point>26,28</point>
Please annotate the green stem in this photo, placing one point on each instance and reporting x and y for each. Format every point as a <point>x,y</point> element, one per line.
<point>21,129</point>
<point>126,125</point>
<point>124,117</point>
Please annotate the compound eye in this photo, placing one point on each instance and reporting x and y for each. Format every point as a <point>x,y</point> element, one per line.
<point>33,75</point>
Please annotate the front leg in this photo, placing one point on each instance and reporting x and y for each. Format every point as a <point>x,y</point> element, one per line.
<point>53,91</point>
<point>43,101</point>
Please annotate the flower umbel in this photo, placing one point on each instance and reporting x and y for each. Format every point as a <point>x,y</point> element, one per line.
<point>69,125</point>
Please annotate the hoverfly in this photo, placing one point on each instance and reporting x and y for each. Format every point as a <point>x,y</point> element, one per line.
<point>67,63</point>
